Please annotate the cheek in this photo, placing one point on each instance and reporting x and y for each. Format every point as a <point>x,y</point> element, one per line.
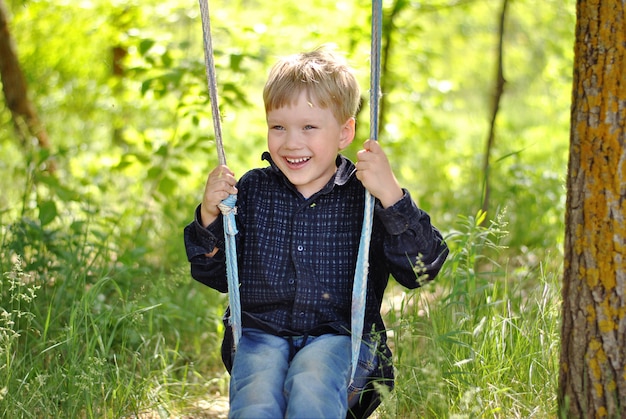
<point>272,144</point>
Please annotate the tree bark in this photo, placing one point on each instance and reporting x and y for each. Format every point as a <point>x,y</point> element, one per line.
<point>25,119</point>
<point>592,379</point>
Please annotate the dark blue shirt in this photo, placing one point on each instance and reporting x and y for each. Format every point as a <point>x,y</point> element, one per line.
<point>297,256</point>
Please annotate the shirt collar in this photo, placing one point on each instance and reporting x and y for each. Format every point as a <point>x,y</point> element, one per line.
<point>345,171</point>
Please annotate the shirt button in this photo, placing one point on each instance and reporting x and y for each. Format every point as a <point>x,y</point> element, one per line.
<point>291,281</point>
<point>300,248</point>
<point>302,314</point>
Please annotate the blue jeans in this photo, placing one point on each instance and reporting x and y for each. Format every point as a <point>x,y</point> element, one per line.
<point>277,377</point>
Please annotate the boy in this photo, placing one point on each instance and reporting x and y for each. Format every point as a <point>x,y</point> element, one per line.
<point>299,223</point>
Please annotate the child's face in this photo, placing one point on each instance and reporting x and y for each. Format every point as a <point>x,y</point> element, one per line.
<point>303,140</point>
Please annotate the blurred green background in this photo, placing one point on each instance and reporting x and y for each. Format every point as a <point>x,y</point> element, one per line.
<point>101,318</point>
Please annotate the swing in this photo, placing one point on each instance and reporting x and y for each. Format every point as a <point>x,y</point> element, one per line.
<point>369,398</point>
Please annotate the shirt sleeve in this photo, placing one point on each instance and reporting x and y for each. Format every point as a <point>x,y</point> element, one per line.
<point>200,241</point>
<point>414,249</point>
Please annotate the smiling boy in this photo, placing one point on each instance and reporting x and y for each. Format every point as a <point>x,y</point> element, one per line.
<point>299,222</point>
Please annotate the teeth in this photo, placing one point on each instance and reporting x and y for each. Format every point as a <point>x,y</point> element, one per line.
<point>300,160</point>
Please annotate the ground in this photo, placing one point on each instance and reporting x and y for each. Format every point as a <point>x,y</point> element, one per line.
<point>216,407</point>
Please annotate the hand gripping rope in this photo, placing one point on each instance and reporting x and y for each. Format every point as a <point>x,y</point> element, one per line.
<point>359,292</point>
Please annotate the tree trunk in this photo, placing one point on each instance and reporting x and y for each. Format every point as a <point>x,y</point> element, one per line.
<point>25,119</point>
<point>593,350</point>
<point>498,91</point>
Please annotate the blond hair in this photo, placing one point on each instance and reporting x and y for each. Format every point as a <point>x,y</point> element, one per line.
<point>326,78</point>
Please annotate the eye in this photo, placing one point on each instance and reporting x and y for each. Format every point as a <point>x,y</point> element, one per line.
<point>308,127</point>
<point>277,127</point>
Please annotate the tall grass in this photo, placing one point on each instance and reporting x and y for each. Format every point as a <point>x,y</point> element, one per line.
<point>87,334</point>
<point>481,341</point>
<point>83,336</point>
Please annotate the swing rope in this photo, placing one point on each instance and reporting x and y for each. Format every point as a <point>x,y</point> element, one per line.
<point>227,206</point>
<point>359,292</point>
<point>359,287</point>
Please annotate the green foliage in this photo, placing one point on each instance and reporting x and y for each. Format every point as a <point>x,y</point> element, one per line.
<point>136,131</point>
<point>99,315</point>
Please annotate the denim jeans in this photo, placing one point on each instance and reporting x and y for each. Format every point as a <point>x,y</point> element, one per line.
<point>266,383</point>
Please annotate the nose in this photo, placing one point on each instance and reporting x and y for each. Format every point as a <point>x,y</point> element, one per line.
<point>292,140</point>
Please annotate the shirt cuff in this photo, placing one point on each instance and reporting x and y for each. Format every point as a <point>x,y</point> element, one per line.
<point>207,237</point>
<point>398,218</point>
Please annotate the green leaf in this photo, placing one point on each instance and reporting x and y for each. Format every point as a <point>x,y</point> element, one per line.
<point>180,170</point>
<point>167,186</point>
<point>145,45</point>
<point>154,172</point>
<point>47,212</point>
<point>480,217</point>
<point>235,61</point>
<point>162,151</point>
<point>145,86</point>
<point>167,60</point>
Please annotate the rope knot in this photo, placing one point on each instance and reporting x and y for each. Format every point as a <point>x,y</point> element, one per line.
<point>229,210</point>
<point>227,206</point>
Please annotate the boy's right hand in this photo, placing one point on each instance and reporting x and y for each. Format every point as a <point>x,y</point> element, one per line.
<point>219,186</point>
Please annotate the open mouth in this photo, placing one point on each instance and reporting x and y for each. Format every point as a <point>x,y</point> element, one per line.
<point>296,162</point>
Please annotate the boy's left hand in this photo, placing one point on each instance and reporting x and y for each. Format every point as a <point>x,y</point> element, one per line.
<point>374,171</point>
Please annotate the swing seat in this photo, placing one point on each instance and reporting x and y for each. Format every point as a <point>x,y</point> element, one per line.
<point>367,400</point>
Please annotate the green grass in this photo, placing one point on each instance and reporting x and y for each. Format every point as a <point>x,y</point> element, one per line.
<point>121,345</point>
<point>84,336</point>
<point>481,341</point>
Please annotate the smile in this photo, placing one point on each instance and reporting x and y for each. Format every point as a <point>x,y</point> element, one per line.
<point>297,161</point>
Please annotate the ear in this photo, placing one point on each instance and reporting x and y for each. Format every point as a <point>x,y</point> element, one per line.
<point>348,131</point>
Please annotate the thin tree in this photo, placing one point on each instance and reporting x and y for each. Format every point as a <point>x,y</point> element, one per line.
<point>593,351</point>
<point>388,44</point>
<point>498,91</point>
<point>25,118</point>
